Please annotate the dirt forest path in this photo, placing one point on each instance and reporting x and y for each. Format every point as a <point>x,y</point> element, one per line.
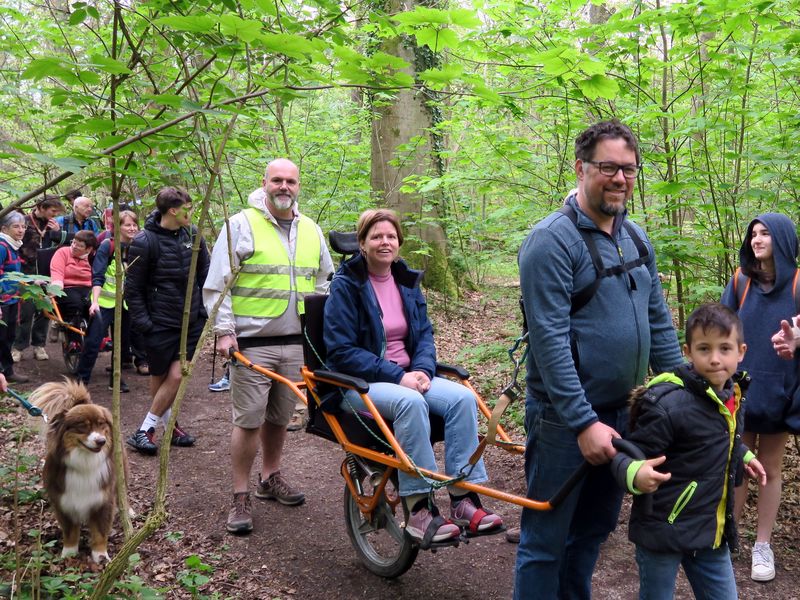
<point>304,552</point>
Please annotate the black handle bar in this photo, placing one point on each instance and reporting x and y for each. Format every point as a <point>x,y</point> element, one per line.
<point>620,444</point>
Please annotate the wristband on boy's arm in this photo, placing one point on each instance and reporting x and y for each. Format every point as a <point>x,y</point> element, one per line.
<point>630,475</point>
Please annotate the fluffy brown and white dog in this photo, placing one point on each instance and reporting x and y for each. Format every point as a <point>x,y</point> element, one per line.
<point>79,475</point>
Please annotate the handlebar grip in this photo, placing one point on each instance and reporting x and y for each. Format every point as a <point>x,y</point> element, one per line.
<point>636,453</point>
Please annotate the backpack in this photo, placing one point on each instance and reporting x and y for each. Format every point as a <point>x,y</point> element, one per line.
<point>741,285</point>
<point>582,297</point>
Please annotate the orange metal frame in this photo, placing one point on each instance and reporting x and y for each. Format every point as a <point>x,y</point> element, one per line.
<point>400,461</point>
<point>58,319</point>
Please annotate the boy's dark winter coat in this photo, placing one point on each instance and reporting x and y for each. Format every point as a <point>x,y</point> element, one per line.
<point>680,416</point>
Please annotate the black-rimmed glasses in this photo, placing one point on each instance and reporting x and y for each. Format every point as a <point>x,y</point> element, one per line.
<point>610,169</point>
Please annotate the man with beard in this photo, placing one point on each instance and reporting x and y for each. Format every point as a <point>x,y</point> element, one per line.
<point>282,257</point>
<point>597,318</point>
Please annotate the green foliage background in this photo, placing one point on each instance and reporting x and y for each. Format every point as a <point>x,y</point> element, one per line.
<point>131,96</point>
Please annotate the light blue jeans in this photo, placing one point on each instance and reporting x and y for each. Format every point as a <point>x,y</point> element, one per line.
<point>709,572</point>
<point>409,410</point>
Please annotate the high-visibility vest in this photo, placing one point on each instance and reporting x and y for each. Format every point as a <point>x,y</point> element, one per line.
<point>108,293</point>
<point>264,283</point>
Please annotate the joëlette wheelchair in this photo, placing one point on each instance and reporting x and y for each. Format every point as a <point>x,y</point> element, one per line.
<point>373,511</point>
<point>71,332</point>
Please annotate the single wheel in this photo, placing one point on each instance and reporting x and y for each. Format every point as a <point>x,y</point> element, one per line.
<point>381,544</point>
<point>72,347</point>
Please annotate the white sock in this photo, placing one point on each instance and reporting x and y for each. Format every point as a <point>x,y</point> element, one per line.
<point>150,422</point>
<point>165,417</point>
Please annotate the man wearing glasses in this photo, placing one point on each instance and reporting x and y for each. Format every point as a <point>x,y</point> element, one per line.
<point>597,318</point>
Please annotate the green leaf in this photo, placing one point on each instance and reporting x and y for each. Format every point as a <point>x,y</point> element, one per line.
<point>109,65</point>
<point>71,164</point>
<point>96,125</point>
<point>436,39</point>
<point>40,68</point>
<point>26,148</point>
<point>294,46</point>
<point>168,99</point>
<point>464,17</point>
<point>77,17</point>
<point>598,86</point>
<point>441,76</point>
<point>93,12</point>
<point>245,30</point>
<point>195,24</point>
<point>423,16</point>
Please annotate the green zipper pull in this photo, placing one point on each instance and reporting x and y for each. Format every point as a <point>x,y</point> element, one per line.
<point>682,501</point>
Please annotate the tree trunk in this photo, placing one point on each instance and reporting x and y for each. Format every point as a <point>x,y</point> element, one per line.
<point>403,145</point>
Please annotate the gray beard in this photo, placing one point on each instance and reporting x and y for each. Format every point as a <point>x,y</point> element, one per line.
<point>282,204</point>
<point>611,210</point>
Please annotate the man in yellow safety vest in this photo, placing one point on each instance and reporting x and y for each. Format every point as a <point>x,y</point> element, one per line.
<point>281,257</point>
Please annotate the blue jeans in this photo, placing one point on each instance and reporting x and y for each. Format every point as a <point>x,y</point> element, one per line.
<point>409,410</point>
<point>709,572</point>
<point>558,549</point>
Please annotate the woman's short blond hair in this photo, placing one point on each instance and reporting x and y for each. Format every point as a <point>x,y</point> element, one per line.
<point>375,215</point>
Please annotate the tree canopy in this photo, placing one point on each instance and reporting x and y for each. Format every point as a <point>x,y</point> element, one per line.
<point>121,98</point>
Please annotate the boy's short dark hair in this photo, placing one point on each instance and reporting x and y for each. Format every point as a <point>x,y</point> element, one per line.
<point>605,130</point>
<point>714,315</point>
<point>171,197</point>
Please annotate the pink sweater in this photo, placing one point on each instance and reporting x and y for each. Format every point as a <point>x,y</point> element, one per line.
<point>72,271</point>
<point>394,318</point>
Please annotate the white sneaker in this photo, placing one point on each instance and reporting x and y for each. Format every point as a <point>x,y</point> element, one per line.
<point>39,353</point>
<point>16,355</point>
<point>53,337</point>
<point>763,563</point>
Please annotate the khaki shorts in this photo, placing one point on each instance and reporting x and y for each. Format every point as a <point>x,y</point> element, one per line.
<point>256,398</point>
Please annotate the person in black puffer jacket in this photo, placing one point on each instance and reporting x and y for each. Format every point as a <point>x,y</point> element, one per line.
<point>690,420</point>
<point>155,290</point>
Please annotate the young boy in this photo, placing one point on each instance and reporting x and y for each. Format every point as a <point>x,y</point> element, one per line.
<point>690,420</point>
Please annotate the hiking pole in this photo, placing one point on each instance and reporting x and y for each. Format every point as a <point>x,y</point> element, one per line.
<point>33,411</point>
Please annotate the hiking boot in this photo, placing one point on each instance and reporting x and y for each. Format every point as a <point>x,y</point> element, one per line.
<point>298,421</point>
<point>123,387</point>
<point>240,517</point>
<point>181,438</point>
<point>277,488</point>
<point>142,441</point>
<point>421,520</point>
<point>16,355</point>
<point>512,535</point>
<point>17,378</point>
<point>39,353</point>
<point>223,385</point>
<point>467,512</point>
<point>763,568</point>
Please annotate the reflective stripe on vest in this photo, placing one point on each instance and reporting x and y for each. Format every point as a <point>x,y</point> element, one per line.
<point>108,293</point>
<point>264,284</point>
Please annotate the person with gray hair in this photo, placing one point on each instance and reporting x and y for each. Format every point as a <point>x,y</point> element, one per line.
<point>42,231</point>
<point>12,230</point>
<point>80,219</point>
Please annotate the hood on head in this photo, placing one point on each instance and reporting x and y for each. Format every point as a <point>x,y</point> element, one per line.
<point>784,246</point>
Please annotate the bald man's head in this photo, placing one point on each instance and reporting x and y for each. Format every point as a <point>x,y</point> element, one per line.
<point>281,186</point>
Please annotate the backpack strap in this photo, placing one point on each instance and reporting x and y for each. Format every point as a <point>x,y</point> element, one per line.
<point>741,285</point>
<point>580,298</point>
